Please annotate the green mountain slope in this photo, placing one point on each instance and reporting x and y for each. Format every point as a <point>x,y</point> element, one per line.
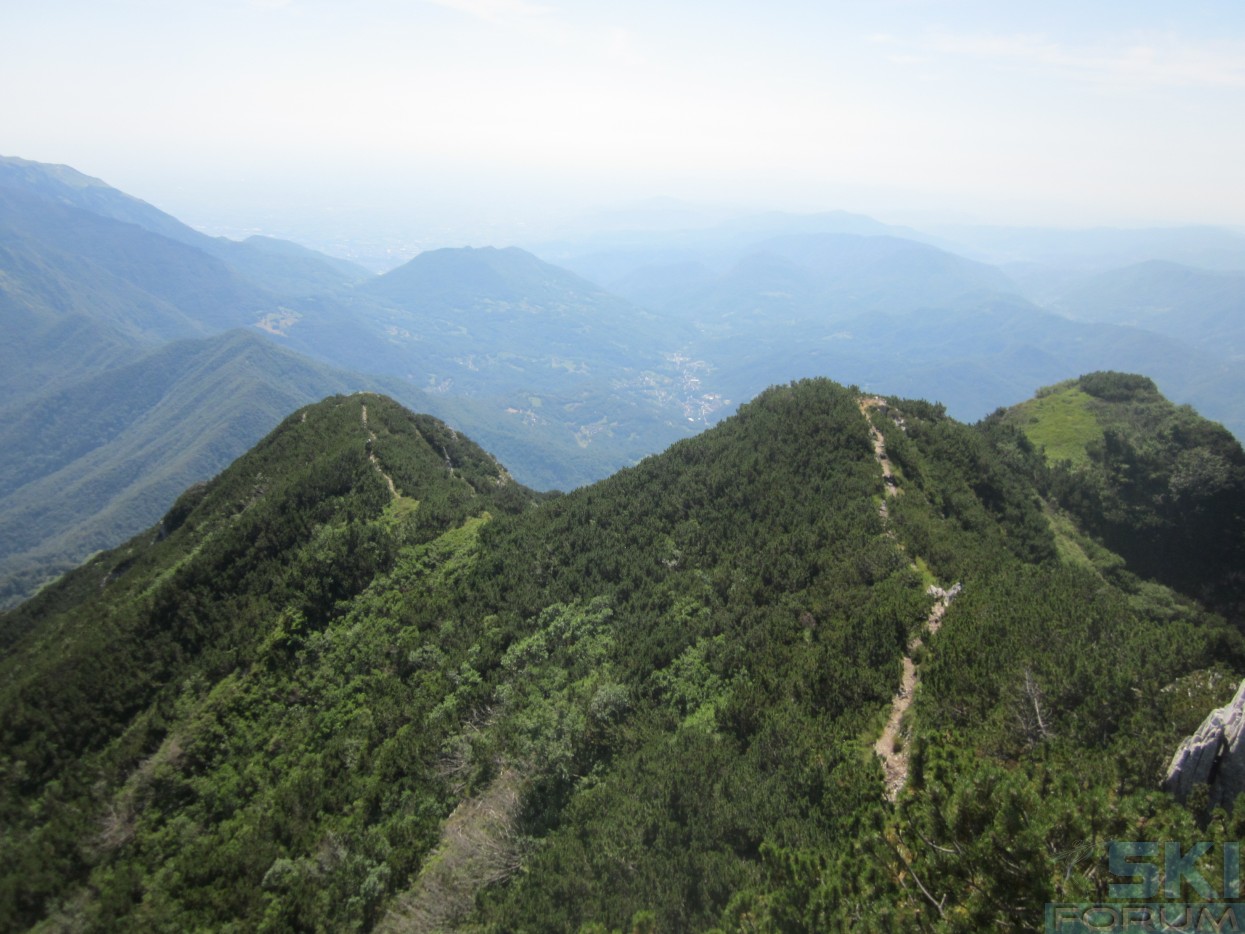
<point>1155,482</point>
<point>90,464</point>
<point>363,680</point>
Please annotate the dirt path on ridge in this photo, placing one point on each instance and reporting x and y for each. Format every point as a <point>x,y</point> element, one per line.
<point>890,486</point>
<point>890,747</point>
<point>371,455</point>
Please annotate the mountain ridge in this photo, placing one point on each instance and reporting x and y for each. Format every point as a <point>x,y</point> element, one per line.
<point>644,698</point>
<point>92,462</point>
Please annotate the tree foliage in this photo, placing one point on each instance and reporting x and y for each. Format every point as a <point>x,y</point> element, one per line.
<point>306,702</point>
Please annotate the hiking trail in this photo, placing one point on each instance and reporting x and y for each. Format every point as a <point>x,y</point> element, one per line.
<point>890,747</point>
<point>371,454</point>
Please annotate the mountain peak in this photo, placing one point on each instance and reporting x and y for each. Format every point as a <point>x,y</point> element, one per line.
<point>474,273</point>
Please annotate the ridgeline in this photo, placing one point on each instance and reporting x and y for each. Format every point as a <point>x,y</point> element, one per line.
<point>363,679</point>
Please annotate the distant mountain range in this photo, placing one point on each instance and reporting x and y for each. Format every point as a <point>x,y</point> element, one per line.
<point>1202,307</point>
<point>881,310</point>
<point>636,338</point>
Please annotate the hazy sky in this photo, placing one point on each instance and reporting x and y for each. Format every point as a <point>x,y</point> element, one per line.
<point>1058,112</point>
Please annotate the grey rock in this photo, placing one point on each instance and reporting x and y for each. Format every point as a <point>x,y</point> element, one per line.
<point>1214,756</point>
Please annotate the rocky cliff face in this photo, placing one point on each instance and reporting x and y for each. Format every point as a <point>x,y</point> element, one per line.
<point>1214,756</point>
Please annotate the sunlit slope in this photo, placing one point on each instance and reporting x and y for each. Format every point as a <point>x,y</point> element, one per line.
<point>363,679</point>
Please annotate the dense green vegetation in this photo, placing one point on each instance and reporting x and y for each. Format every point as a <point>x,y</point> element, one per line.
<point>1154,482</point>
<point>305,702</point>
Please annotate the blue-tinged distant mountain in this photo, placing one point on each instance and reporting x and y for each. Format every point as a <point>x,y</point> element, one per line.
<point>976,357</point>
<point>1201,306</point>
<point>588,381</point>
<point>884,310</point>
<point>1099,247</point>
<point>276,265</point>
<point>784,286</point>
<point>79,292</point>
<point>505,298</point>
<point>179,289</point>
<point>611,255</point>
<point>570,381</point>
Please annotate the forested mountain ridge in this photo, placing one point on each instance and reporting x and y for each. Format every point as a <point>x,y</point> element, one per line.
<point>91,463</point>
<point>362,679</point>
<point>1155,482</point>
<point>563,380</point>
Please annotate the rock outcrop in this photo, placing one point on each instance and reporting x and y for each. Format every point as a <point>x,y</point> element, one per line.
<point>1214,756</point>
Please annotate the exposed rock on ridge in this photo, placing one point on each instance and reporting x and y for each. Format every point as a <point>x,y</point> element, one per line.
<point>1214,756</point>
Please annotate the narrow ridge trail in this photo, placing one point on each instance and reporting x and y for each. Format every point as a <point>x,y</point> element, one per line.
<point>371,454</point>
<point>889,747</point>
<point>890,487</point>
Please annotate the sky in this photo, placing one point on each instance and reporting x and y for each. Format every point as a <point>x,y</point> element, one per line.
<point>443,118</point>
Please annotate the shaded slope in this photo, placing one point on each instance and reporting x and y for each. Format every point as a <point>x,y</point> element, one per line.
<point>185,290</point>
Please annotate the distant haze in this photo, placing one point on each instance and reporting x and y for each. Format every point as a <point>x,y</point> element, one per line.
<point>435,122</point>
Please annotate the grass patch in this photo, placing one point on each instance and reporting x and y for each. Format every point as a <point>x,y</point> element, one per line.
<point>400,508</point>
<point>1062,423</point>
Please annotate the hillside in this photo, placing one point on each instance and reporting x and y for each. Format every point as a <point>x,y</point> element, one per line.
<point>506,310</point>
<point>79,293</point>
<point>884,311</point>
<point>93,462</point>
<point>1155,482</point>
<point>567,381</point>
<point>364,680</point>
<point>572,381</point>
<point>810,279</point>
